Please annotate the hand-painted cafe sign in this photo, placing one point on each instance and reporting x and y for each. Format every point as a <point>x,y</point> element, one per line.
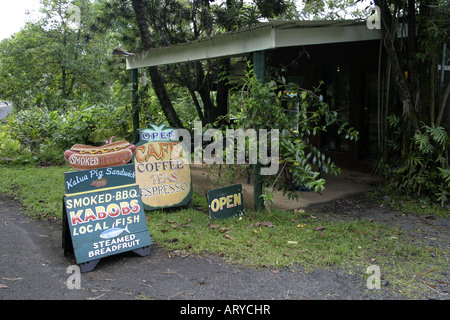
<point>162,169</point>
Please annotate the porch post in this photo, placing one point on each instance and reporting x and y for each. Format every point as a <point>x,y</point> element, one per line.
<point>134,104</point>
<point>258,65</point>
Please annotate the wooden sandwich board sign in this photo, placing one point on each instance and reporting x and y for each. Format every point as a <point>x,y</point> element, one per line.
<point>103,213</point>
<point>162,169</point>
<point>105,222</point>
<point>226,202</point>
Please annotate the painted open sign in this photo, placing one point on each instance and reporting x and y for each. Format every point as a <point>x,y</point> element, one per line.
<point>226,202</point>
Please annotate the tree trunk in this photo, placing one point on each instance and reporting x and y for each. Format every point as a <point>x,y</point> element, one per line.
<point>155,76</point>
<point>222,88</point>
<point>400,77</point>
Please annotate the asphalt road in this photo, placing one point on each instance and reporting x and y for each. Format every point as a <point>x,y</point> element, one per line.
<point>33,266</point>
<point>4,110</point>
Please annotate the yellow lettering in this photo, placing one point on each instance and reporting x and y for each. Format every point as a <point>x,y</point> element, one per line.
<point>230,201</point>
<point>237,199</point>
<point>215,205</point>
<point>223,201</point>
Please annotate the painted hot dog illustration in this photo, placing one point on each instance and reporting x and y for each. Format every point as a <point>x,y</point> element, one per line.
<point>84,157</point>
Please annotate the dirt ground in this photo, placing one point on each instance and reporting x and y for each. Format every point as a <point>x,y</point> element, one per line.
<point>347,183</point>
<point>33,266</point>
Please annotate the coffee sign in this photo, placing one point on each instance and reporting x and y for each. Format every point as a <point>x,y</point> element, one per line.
<point>162,169</point>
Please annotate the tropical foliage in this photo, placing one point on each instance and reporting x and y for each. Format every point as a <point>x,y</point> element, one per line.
<point>57,62</point>
<point>276,103</point>
<point>414,155</point>
<point>66,85</point>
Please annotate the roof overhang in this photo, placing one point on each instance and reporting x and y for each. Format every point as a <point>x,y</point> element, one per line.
<point>265,36</point>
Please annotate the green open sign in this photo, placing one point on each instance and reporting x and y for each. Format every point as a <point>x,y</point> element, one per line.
<point>226,202</point>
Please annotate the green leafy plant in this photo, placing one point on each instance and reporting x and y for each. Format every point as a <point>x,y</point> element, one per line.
<point>299,117</point>
<point>424,170</point>
<point>9,146</point>
<point>37,135</point>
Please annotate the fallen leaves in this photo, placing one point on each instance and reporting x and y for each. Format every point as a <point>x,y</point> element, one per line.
<point>4,286</point>
<point>225,230</point>
<point>174,225</point>
<point>267,224</point>
<point>178,253</point>
<point>257,224</point>
<point>228,230</point>
<point>228,236</point>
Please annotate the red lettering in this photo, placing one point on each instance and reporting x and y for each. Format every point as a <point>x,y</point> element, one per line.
<point>75,217</point>
<point>101,212</point>
<point>125,208</point>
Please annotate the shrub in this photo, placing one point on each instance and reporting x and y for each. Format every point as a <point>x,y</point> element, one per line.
<point>8,145</point>
<point>37,135</point>
<point>425,170</point>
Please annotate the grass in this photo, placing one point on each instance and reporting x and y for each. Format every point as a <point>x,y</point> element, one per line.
<point>303,240</point>
<point>418,205</point>
<point>39,189</point>
<point>290,239</point>
<point>276,240</point>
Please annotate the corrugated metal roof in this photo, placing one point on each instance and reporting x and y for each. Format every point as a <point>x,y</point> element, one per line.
<point>264,36</point>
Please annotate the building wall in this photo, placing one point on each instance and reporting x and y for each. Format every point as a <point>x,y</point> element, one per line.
<point>350,75</point>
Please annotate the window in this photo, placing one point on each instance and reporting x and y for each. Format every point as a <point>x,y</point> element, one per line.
<point>338,98</point>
